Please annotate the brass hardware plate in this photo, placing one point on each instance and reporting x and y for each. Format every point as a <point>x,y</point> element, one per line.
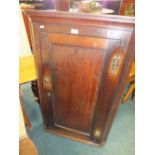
<point>47,84</point>
<point>115,63</point>
<point>97,134</point>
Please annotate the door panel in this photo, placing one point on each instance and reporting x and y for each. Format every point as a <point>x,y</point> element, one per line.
<point>76,75</point>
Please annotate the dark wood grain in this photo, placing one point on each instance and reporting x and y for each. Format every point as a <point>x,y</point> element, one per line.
<point>77,73</point>
<point>82,73</point>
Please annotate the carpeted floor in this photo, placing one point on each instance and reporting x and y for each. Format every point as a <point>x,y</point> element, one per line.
<point>121,140</point>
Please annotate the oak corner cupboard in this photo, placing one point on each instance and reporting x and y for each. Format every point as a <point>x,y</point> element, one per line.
<point>82,62</point>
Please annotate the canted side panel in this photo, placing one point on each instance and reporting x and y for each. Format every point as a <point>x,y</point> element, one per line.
<point>122,83</point>
<point>76,75</point>
<point>46,99</point>
<point>112,70</point>
<point>37,51</point>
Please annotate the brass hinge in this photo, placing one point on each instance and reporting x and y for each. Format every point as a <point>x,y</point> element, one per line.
<point>115,63</point>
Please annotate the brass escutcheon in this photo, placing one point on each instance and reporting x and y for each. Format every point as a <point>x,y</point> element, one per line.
<point>47,84</point>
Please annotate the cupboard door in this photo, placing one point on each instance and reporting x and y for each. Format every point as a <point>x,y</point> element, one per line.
<point>73,68</point>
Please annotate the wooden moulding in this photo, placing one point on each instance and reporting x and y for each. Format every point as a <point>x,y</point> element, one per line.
<point>92,17</point>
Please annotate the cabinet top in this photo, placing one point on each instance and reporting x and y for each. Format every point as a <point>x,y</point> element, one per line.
<point>85,16</point>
